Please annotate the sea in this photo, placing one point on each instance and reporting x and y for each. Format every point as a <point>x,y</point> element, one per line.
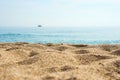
<point>68,35</point>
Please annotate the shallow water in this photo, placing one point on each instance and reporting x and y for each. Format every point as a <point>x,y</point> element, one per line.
<point>60,35</point>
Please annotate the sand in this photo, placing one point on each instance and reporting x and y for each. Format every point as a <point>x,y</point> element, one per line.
<point>25,61</point>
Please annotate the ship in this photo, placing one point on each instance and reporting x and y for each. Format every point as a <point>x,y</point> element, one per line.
<point>39,25</point>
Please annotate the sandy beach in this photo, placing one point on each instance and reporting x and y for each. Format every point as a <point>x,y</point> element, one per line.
<point>25,61</point>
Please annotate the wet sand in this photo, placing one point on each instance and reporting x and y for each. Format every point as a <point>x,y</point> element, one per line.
<point>25,61</point>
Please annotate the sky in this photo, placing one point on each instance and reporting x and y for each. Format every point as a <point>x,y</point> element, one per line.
<point>80,13</point>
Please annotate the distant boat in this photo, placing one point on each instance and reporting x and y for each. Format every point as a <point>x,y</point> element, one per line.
<point>39,25</point>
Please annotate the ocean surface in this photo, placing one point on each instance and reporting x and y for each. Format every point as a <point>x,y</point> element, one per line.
<point>60,35</point>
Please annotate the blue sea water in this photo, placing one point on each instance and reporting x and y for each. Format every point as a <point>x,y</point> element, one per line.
<point>60,35</point>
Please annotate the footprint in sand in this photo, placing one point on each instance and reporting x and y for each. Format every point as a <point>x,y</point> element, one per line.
<point>61,48</point>
<point>67,68</point>
<point>108,48</point>
<point>12,48</point>
<point>81,51</point>
<point>116,52</point>
<point>117,64</point>
<point>87,59</point>
<point>50,44</point>
<point>61,69</point>
<point>33,53</point>
<point>49,78</point>
<point>20,43</point>
<point>29,61</point>
<point>79,45</point>
<point>113,70</point>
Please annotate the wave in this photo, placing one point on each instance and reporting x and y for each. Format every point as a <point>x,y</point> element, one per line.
<point>57,38</point>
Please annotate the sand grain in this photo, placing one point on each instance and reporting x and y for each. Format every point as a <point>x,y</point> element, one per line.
<point>25,61</point>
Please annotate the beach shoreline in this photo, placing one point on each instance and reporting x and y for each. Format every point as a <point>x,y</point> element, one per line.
<point>37,61</point>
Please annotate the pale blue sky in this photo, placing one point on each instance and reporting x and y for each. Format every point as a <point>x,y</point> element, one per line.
<point>60,12</point>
